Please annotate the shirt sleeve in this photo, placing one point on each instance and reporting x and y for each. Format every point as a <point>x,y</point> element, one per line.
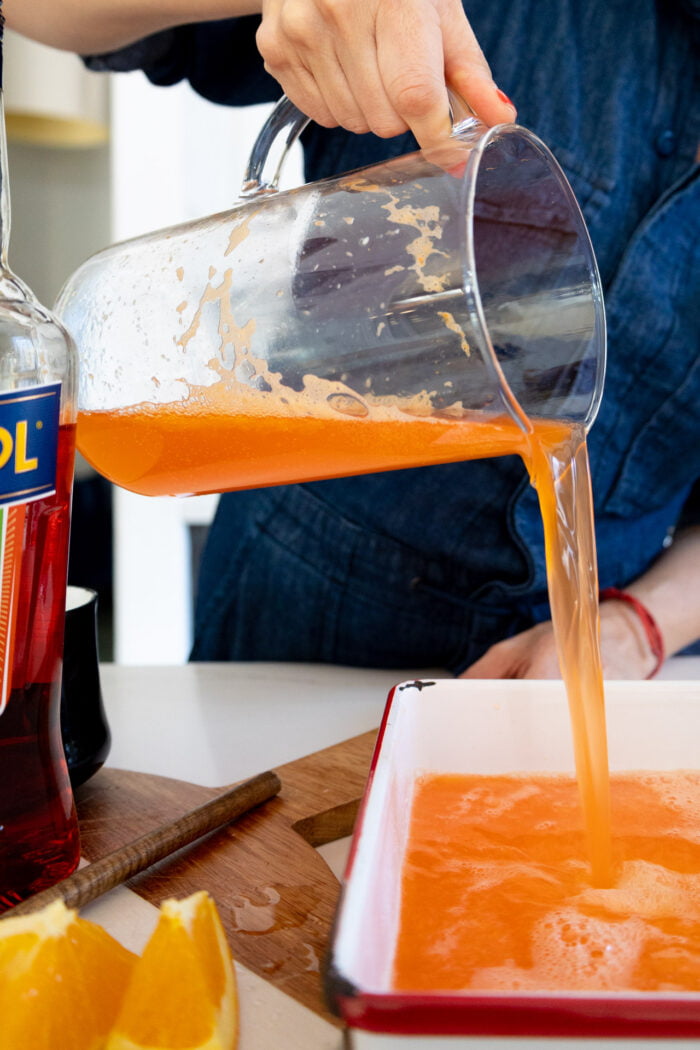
<point>220,60</point>
<point>144,54</point>
<point>690,514</point>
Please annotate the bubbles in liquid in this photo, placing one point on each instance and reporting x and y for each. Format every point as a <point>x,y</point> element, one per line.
<point>484,805</point>
<point>648,890</point>
<point>348,405</point>
<point>571,950</point>
<point>584,951</point>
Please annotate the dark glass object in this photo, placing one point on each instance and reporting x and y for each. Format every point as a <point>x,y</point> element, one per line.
<point>86,735</point>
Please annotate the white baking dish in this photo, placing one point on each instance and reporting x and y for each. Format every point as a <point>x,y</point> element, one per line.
<point>493,727</point>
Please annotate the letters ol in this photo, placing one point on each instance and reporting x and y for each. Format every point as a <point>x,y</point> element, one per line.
<point>16,443</point>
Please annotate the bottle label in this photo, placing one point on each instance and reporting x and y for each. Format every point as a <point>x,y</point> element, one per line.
<point>29,421</point>
<point>28,443</point>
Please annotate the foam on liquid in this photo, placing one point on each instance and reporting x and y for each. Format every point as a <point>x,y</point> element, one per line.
<point>496,892</point>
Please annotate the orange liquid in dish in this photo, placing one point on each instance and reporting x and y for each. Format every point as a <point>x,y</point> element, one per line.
<point>496,893</point>
<point>217,442</point>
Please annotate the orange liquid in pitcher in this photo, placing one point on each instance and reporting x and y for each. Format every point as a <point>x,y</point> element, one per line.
<point>204,446</point>
<point>496,892</point>
<point>175,449</point>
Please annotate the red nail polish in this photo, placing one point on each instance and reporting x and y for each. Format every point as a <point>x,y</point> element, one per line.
<point>504,98</point>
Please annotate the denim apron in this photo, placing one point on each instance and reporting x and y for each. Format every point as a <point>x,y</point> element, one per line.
<point>429,567</point>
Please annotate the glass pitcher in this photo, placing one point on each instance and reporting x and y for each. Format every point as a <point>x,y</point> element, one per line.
<point>428,309</point>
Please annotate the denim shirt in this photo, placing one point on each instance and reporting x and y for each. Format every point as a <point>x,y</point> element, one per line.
<point>612,88</point>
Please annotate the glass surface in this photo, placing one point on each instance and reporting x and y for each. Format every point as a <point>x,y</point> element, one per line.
<point>455,286</point>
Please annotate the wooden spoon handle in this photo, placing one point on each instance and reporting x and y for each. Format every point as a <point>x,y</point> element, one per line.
<point>97,878</point>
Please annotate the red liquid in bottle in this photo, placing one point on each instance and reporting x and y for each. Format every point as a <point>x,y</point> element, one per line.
<point>39,843</point>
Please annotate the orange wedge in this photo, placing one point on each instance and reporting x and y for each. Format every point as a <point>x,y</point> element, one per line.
<point>182,993</point>
<point>62,980</point>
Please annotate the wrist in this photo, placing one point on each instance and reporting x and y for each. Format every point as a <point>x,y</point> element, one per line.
<point>641,621</point>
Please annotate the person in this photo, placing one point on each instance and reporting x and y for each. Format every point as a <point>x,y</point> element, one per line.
<point>444,566</point>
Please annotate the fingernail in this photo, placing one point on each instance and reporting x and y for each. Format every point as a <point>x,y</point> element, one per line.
<point>504,98</point>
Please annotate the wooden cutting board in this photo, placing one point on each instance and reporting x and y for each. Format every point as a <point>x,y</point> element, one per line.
<point>275,893</point>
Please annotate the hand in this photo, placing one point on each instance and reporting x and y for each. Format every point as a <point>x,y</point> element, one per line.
<point>530,654</point>
<point>379,65</point>
<point>624,648</point>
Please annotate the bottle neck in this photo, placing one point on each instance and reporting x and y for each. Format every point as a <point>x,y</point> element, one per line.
<point>11,287</point>
<point>4,188</point>
<point>4,182</point>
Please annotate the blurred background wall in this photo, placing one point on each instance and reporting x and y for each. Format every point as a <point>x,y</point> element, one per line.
<point>95,159</point>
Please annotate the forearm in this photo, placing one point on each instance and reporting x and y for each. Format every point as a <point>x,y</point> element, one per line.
<point>671,591</point>
<point>98,26</point>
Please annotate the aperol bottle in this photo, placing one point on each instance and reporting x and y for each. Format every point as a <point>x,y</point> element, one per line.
<point>39,842</point>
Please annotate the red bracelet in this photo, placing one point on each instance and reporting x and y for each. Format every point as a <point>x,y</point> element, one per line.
<point>651,627</point>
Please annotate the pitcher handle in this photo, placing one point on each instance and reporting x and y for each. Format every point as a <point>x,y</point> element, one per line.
<point>286,123</point>
<point>277,136</point>
<point>464,120</point>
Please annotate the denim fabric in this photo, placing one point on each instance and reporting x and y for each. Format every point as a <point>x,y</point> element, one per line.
<point>430,566</point>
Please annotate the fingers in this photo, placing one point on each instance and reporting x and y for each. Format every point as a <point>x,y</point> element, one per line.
<point>468,74</point>
<point>410,55</point>
<point>530,654</point>
<point>295,50</point>
<point>378,65</point>
<point>502,660</point>
<point>324,55</point>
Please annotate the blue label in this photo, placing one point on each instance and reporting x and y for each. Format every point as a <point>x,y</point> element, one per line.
<point>29,443</point>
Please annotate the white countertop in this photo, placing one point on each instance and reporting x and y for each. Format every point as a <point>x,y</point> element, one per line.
<point>214,724</point>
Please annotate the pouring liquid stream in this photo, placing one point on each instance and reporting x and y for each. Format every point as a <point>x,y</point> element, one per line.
<point>561,475</point>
